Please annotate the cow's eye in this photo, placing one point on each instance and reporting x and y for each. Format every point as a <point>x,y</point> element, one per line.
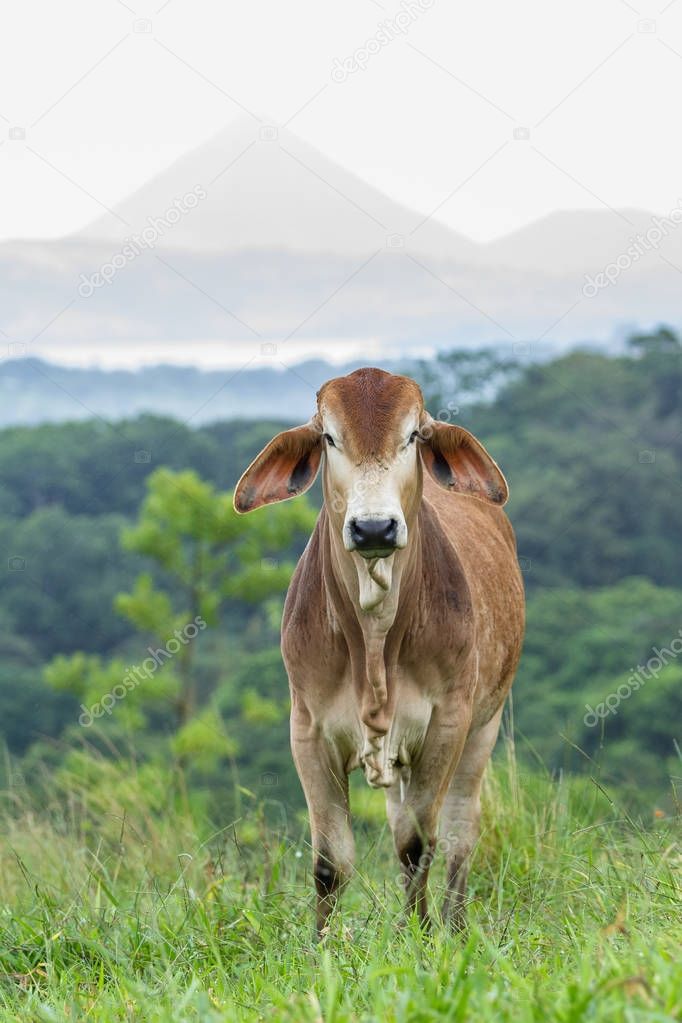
<point>413,436</point>
<point>329,439</point>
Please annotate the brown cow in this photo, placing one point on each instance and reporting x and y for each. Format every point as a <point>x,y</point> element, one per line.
<point>402,627</point>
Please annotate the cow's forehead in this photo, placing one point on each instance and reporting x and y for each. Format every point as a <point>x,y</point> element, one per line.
<point>370,405</point>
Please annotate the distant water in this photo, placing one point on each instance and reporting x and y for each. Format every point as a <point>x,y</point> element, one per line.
<point>209,355</point>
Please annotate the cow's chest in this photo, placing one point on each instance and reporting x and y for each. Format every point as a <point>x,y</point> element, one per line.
<point>387,757</point>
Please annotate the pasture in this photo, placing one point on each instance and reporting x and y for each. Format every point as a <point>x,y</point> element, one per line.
<point>121,903</point>
<point>156,860</point>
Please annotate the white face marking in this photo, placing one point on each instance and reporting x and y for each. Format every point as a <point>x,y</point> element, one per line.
<point>370,491</point>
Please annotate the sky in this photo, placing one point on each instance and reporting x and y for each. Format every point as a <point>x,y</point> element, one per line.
<point>488,115</point>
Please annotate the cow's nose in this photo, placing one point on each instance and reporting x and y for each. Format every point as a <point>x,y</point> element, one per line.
<point>378,535</point>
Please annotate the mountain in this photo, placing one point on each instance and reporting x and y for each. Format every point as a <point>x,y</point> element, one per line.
<point>257,239</point>
<point>571,241</point>
<point>267,189</point>
<point>34,391</point>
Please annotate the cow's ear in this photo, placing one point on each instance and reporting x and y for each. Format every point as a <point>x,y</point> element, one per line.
<point>287,466</point>
<point>460,463</point>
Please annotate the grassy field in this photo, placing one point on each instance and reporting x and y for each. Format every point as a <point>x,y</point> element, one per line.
<point>115,907</point>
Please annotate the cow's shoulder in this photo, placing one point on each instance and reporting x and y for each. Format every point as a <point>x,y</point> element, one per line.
<point>468,522</point>
<point>305,589</point>
<point>444,578</point>
<point>308,622</point>
<point>483,540</point>
<point>481,536</point>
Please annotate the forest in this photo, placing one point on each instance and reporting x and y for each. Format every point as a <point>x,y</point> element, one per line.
<point>139,615</point>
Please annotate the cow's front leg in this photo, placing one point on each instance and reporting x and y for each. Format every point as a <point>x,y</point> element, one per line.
<point>460,819</point>
<point>325,784</point>
<point>414,818</point>
<point>413,824</point>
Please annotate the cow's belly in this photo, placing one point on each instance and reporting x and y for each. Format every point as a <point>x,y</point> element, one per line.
<point>385,758</point>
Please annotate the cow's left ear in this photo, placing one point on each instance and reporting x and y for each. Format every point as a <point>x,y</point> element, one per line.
<point>287,466</point>
<point>460,463</point>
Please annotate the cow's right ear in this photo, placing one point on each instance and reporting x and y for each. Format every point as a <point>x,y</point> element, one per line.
<point>458,462</point>
<point>286,467</point>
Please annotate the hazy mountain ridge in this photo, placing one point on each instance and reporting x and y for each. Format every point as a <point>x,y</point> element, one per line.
<point>33,391</point>
<point>273,194</point>
<point>286,243</point>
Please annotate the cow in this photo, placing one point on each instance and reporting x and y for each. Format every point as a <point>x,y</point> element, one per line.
<point>402,627</point>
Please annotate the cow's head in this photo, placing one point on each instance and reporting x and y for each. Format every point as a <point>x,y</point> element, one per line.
<point>370,433</point>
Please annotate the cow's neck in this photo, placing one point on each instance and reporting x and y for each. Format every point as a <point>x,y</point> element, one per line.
<point>371,601</point>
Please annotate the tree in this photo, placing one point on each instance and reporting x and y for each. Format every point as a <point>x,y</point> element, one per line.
<point>203,555</point>
<point>663,340</point>
<point>462,376</point>
<point>661,356</point>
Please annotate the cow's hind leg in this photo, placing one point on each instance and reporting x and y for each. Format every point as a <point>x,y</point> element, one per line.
<point>460,818</point>
<point>325,784</point>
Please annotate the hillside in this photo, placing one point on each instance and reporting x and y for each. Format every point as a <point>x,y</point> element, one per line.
<point>592,448</point>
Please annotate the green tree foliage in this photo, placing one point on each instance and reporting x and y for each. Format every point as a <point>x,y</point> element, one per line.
<point>60,572</point>
<point>661,359</point>
<point>592,447</point>
<point>462,376</point>
<point>208,554</point>
<point>581,645</point>
<point>203,556</point>
<point>93,468</point>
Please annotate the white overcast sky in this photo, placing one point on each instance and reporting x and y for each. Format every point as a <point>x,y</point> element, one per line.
<point>104,107</point>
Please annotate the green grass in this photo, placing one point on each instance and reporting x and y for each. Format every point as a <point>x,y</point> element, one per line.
<point>116,909</point>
